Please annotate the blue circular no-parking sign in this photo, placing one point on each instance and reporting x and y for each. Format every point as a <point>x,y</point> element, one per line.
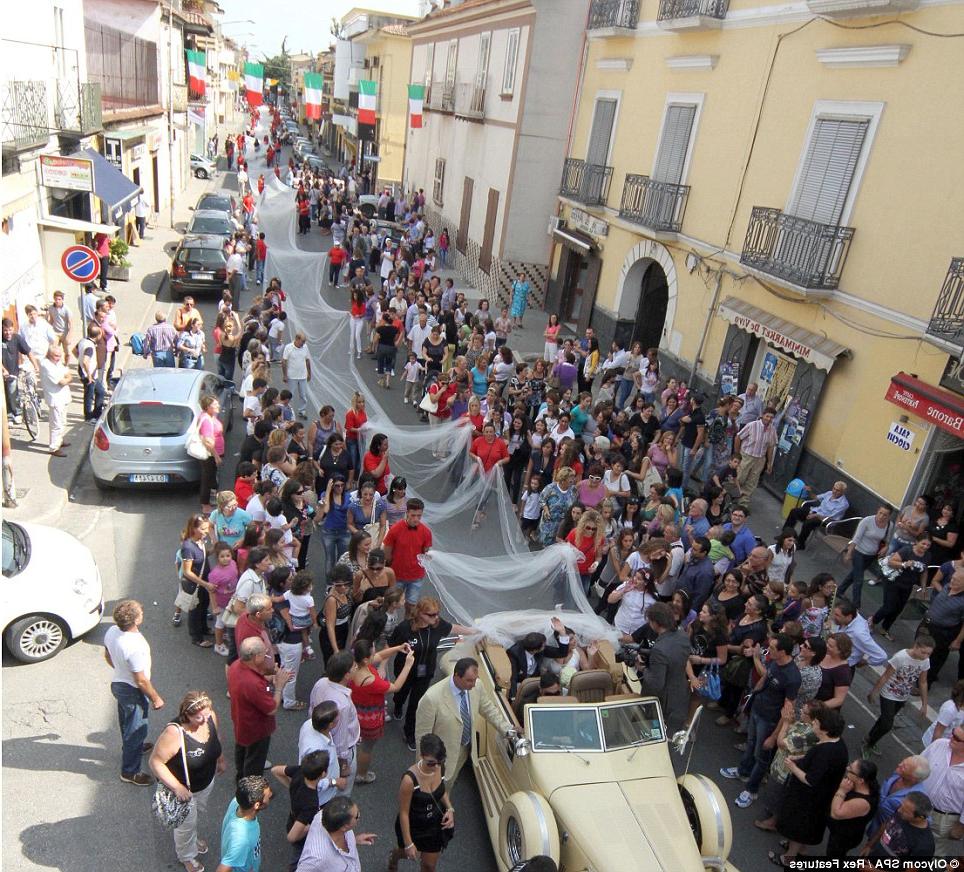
<point>80,263</point>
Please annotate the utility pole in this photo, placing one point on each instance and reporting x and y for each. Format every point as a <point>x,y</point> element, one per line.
<point>170,107</point>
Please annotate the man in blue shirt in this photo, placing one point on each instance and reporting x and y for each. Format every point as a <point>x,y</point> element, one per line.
<point>695,524</point>
<point>744,541</point>
<point>697,575</point>
<point>831,505</point>
<point>241,829</point>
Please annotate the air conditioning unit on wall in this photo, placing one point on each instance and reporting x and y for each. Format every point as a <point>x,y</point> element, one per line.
<point>555,223</point>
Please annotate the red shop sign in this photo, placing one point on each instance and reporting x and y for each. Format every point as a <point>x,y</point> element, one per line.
<point>930,403</point>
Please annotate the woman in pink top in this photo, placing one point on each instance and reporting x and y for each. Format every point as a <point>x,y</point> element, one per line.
<point>551,335</point>
<point>211,431</point>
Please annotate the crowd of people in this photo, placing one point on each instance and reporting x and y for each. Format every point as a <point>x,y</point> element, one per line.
<point>647,480</point>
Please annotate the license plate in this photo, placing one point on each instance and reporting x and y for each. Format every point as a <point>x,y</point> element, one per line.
<point>150,479</point>
<point>204,277</point>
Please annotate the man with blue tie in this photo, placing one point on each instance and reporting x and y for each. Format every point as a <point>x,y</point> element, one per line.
<point>450,708</point>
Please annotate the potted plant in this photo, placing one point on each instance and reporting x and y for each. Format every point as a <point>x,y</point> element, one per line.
<point>119,267</point>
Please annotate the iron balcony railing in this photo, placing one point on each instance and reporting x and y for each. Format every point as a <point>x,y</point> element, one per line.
<point>803,252</point>
<point>613,13</point>
<point>78,108</point>
<point>947,322</point>
<point>672,9</point>
<point>470,99</point>
<point>657,205</point>
<point>587,183</point>
<point>433,96</point>
<point>25,119</point>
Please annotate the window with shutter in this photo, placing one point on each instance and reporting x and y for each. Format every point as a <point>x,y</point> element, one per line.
<point>484,40</point>
<point>828,169</point>
<point>439,182</point>
<point>511,56</point>
<point>674,143</point>
<point>597,154</point>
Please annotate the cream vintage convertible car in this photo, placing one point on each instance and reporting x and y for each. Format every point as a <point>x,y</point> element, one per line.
<point>587,779</point>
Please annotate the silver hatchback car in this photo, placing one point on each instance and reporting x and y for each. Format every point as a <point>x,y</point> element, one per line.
<point>140,437</point>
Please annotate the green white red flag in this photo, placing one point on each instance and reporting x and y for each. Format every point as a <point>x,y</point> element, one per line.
<point>367,94</point>
<point>254,83</point>
<point>313,95</point>
<point>416,97</point>
<point>196,71</point>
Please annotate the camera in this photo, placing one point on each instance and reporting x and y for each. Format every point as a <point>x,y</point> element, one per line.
<point>628,654</point>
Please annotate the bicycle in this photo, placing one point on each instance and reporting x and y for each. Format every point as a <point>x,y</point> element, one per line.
<point>28,401</point>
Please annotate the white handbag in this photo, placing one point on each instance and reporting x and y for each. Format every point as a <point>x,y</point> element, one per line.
<point>429,403</point>
<point>194,445</point>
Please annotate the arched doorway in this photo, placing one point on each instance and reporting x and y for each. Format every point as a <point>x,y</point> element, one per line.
<point>651,312</point>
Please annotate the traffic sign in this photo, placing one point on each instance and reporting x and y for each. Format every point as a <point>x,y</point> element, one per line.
<point>80,263</point>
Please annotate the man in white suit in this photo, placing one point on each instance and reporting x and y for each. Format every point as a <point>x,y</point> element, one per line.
<point>449,709</point>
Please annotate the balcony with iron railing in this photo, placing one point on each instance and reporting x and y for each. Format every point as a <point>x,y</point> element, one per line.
<point>613,16</point>
<point>947,322</point>
<point>691,14</point>
<point>658,206</point>
<point>78,108</point>
<point>433,95</point>
<point>587,183</point>
<point>470,99</point>
<point>25,115</point>
<point>805,255</point>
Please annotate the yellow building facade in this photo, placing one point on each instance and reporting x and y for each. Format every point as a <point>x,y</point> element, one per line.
<point>770,194</point>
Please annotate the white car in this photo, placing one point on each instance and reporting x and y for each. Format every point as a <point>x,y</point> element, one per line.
<point>203,167</point>
<point>52,591</point>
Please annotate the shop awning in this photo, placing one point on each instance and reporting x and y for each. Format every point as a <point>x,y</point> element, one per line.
<point>575,239</point>
<point>798,341</point>
<point>110,184</point>
<point>932,404</point>
<point>75,225</point>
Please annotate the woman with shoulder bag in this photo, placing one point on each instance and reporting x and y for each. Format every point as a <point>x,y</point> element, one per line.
<point>193,586</point>
<point>185,760</point>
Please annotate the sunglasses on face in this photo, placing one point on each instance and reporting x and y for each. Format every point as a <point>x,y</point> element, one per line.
<point>430,614</point>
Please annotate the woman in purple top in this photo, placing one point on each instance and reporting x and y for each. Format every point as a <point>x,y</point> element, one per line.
<point>566,371</point>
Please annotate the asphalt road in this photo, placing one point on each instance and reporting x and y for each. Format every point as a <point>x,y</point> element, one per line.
<point>64,806</point>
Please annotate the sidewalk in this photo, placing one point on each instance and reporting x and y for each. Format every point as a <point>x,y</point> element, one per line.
<point>43,482</point>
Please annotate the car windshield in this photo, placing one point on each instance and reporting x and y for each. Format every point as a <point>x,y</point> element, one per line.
<point>16,549</point>
<point>213,201</point>
<point>149,419</point>
<point>631,724</point>
<point>218,226</point>
<point>201,258</point>
<point>560,728</point>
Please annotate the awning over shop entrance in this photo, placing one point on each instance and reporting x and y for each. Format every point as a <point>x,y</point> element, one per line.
<point>798,341</point>
<point>110,184</point>
<point>930,403</point>
<point>75,225</point>
<point>582,242</point>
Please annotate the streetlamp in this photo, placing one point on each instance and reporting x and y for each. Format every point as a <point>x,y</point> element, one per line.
<point>238,21</point>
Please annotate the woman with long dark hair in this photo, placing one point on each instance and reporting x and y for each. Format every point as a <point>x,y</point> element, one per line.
<point>375,462</point>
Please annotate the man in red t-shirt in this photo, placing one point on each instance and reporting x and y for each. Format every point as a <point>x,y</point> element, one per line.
<point>253,623</point>
<point>336,258</point>
<point>254,700</point>
<point>403,544</point>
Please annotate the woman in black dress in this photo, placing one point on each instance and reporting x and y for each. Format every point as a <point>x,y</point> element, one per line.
<point>811,783</point>
<point>424,809</point>
<point>852,807</point>
<point>192,737</point>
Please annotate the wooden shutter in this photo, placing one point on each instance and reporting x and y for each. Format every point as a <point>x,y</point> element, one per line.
<point>462,237</point>
<point>674,143</point>
<point>828,169</point>
<point>439,182</point>
<point>602,130</point>
<point>491,211</point>
<point>450,63</point>
<point>484,41</point>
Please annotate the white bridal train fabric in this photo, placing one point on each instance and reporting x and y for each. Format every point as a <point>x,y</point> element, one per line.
<point>483,575</point>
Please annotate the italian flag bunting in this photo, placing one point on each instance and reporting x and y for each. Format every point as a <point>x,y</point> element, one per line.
<point>313,95</point>
<point>196,71</point>
<point>416,96</point>
<point>367,91</point>
<point>254,83</point>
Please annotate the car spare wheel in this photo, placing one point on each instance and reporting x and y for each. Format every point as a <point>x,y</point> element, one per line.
<point>527,828</point>
<point>708,815</point>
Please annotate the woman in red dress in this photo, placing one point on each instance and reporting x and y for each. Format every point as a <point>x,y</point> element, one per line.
<point>368,690</point>
<point>375,462</point>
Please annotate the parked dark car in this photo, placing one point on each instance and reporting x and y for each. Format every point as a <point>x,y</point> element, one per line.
<point>220,201</point>
<point>199,266</point>
<point>211,222</point>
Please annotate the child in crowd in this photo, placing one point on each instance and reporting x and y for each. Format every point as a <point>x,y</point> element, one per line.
<point>284,401</point>
<point>815,611</point>
<point>721,555</point>
<point>223,578</point>
<point>300,613</point>
<point>529,511</point>
<point>244,483</point>
<point>412,375</point>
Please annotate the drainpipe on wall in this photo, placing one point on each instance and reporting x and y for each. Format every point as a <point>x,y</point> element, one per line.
<point>170,108</point>
<point>706,324</point>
